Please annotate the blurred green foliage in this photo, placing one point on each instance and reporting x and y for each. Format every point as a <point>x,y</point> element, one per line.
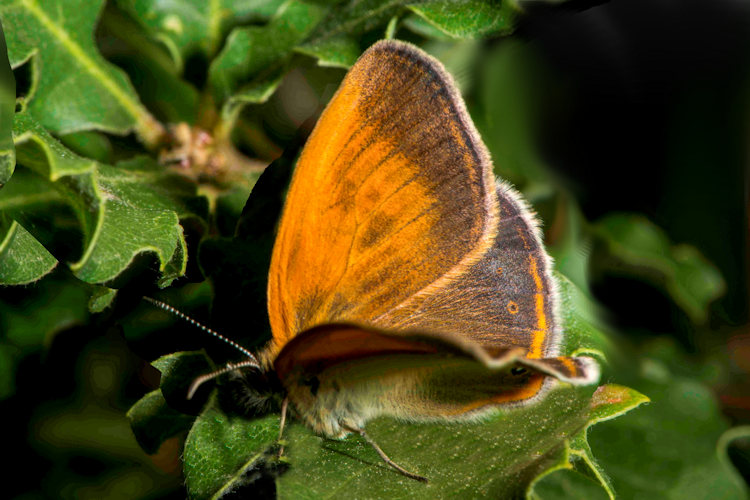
<point>131,136</point>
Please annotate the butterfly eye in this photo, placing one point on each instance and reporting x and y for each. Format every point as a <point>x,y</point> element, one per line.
<point>517,370</point>
<point>314,385</point>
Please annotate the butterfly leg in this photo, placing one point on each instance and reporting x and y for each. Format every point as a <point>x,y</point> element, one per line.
<point>383,456</point>
<point>284,406</point>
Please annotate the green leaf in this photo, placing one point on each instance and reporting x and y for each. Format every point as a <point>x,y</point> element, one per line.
<point>254,58</point>
<point>339,51</point>
<point>195,26</point>
<point>49,307</point>
<point>153,421</point>
<point>468,19</point>
<point>219,451</point>
<point>101,298</point>
<point>572,248</point>
<point>511,94</point>
<point>166,412</point>
<point>639,248</point>
<point>7,109</point>
<point>668,449</point>
<point>121,211</point>
<point>565,484</point>
<point>90,144</point>
<point>335,40</point>
<point>74,87</point>
<point>150,68</point>
<point>252,62</point>
<point>257,91</point>
<point>498,457</point>
<point>584,331</point>
<point>178,371</point>
<point>607,402</point>
<point>23,259</point>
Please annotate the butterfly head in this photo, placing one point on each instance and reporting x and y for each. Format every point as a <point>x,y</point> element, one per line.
<point>251,392</point>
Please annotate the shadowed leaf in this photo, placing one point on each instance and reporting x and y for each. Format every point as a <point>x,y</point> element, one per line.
<point>639,248</point>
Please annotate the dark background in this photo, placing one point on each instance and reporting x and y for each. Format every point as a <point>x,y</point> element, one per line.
<point>658,124</point>
<point>655,121</point>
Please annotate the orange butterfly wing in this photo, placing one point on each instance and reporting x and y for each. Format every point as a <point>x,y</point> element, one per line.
<point>392,195</point>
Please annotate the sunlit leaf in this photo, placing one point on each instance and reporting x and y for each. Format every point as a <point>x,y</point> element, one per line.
<point>75,88</point>
<point>471,19</point>
<point>196,26</point>
<point>23,259</point>
<point>122,211</point>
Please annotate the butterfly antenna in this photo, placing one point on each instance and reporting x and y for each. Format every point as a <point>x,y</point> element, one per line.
<point>253,361</point>
<point>221,371</point>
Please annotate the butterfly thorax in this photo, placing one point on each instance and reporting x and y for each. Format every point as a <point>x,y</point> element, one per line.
<point>329,407</point>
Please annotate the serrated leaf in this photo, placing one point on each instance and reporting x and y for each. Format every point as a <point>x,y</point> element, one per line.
<point>640,248</point>
<point>582,477</point>
<point>566,484</point>
<point>23,259</point>
<point>668,448</point>
<point>75,88</point>
<point>122,211</point>
<point>468,19</point>
<point>195,26</point>
<point>608,402</point>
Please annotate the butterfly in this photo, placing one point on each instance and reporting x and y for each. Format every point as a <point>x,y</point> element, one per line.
<point>405,280</point>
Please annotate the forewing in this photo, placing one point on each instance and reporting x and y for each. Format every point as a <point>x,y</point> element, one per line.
<point>393,193</point>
